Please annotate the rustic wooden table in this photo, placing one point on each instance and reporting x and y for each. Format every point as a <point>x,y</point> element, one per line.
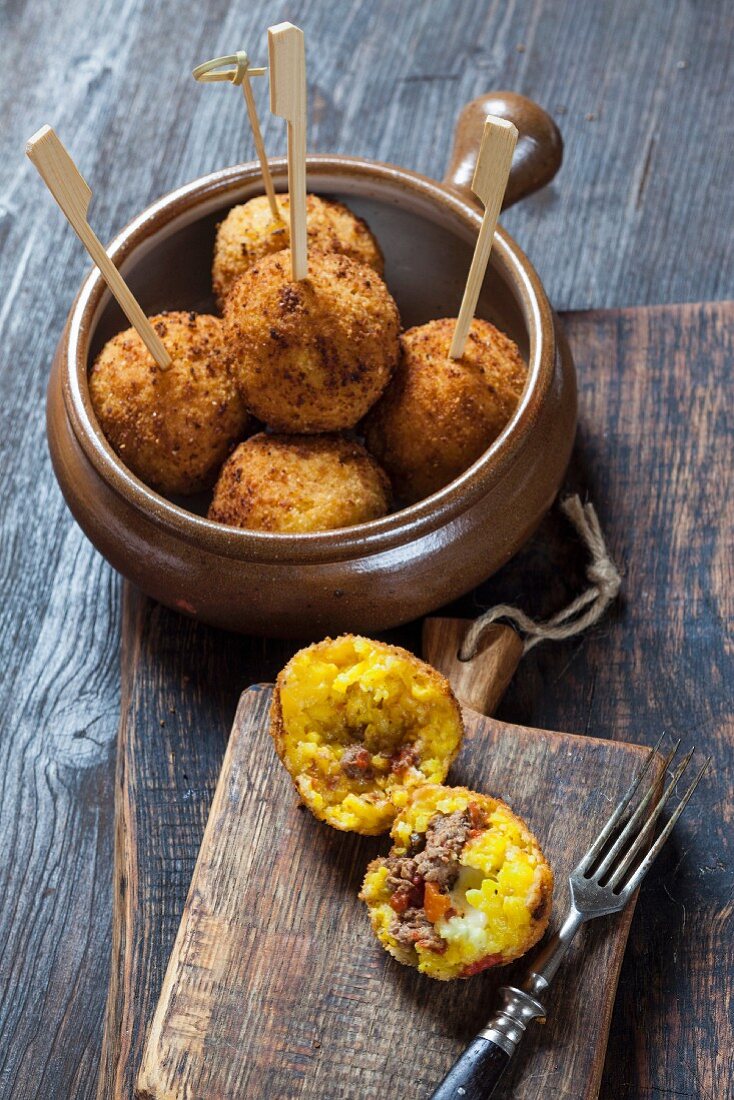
<point>641,213</point>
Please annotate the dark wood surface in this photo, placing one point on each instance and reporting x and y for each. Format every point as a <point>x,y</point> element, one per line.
<point>641,213</point>
<point>277,985</point>
<point>658,663</point>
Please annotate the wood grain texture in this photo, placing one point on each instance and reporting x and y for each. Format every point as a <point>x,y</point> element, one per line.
<point>480,682</point>
<point>276,985</point>
<point>179,693</point>
<point>622,224</point>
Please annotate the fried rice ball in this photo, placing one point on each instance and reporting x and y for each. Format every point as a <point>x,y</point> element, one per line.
<point>292,483</point>
<point>172,428</point>
<point>359,724</point>
<point>249,232</point>
<point>315,355</point>
<point>439,415</point>
<point>465,886</point>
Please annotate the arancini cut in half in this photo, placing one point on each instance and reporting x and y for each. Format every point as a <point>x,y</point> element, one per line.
<point>359,724</point>
<point>464,888</point>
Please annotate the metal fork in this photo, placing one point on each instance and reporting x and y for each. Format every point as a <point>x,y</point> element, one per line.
<point>603,882</point>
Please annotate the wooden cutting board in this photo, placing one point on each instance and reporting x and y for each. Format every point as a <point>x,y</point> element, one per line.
<point>306,1003</point>
<point>276,986</point>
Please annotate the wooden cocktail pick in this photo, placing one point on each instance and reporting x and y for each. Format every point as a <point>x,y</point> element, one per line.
<point>72,193</point>
<point>288,100</point>
<point>489,184</point>
<point>213,71</point>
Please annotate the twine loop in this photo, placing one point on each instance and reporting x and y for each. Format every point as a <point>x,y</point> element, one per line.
<point>583,612</point>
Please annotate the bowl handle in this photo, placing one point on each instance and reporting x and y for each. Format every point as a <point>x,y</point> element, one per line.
<point>538,153</point>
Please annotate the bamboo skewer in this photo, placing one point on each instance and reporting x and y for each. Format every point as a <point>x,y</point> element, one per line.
<point>489,185</point>
<point>73,194</point>
<point>260,148</point>
<point>288,100</point>
<point>212,71</point>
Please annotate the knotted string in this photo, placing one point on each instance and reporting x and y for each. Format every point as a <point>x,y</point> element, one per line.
<point>583,612</point>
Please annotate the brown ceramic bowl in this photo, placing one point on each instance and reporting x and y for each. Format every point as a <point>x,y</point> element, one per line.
<point>378,574</point>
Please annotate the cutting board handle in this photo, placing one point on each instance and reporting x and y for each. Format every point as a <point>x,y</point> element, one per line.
<point>480,682</point>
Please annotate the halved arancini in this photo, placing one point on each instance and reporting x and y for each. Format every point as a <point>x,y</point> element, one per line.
<point>359,724</point>
<point>464,888</point>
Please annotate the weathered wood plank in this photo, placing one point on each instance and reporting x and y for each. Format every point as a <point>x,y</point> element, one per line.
<point>624,223</point>
<point>180,687</point>
<point>655,451</point>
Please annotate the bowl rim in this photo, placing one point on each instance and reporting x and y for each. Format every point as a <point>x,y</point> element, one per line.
<point>413,522</point>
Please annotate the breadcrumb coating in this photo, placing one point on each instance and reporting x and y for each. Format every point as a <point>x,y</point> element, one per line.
<point>439,415</point>
<point>298,484</point>
<point>172,428</point>
<point>249,232</point>
<point>315,355</point>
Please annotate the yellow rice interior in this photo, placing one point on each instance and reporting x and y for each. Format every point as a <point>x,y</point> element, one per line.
<point>494,897</point>
<point>352,690</point>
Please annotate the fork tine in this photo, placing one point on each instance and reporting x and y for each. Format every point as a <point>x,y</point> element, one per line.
<point>631,827</point>
<point>622,805</point>
<point>652,855</point>
<point>649,825</point>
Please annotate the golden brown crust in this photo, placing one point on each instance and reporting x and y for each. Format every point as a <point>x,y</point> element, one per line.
<point>299,484</point>
<point>439,415</point>
<point>311,356</point>
<point>249,233</point>
<point>276,721</point>
<point>172,428</point>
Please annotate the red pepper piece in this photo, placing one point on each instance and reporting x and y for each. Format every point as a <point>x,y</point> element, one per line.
<point>481,964</point>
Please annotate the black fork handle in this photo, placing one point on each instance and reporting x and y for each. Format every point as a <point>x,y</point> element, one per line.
<point>475,1074</point>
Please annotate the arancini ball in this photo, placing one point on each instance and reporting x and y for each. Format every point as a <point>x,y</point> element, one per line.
<point>438,415</point>
<point>295,484</point>
<point>250,232</point>
<point>172,428</point>
<point>464,888</point>
<point>358,725</point>
<point>314,355</point>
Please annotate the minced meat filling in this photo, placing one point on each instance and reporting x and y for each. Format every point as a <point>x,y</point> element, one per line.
<point>356,762</point>
<point>446,835</point>
<point>432,857</point>
<point>404,758</point>
<point>413,927</point>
